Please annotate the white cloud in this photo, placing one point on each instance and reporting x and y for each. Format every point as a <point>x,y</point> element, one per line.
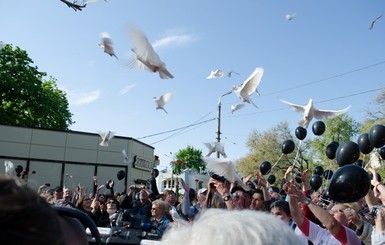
<point>76,98</point>
<point>126,89</point>
<point>174,40</point>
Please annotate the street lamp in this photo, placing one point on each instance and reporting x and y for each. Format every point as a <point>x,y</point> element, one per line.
<point>219,119</point>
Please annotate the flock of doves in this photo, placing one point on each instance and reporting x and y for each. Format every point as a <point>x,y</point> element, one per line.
<point>146,58</point>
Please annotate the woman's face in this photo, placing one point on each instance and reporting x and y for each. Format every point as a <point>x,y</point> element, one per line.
<point>257,202</point>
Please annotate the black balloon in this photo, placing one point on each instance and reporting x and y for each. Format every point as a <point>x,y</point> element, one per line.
<point>347,153</point>
<point>318,170</point>
<point>377,135</point>
<point>349,184</point>
<point>298,178</point>
<point>121,174</point>
<point>364,143</point>
<point>328,174</point>
<point>331,150</point>
<point>271,179</point>
<point>359,163</point>
<point>265,167</point>
<point>288,147</point>
<point>318,128</point>
<point>315,182</point>
<point>382,152</point>
<point>300,133</point>
<point>108,184</point>
<point>19,169</point>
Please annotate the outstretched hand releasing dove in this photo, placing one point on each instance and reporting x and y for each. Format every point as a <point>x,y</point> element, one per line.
<point>224,167</point>
<point>106,44</point>
<point>162,100</point>
<point>146,57</point>
<point>248,87</point>
<point>215,74</point>
<point>309,112</point>
<point>106,137</point>
<point>215,147</point>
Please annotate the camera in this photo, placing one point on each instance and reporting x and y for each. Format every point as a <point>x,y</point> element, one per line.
<point>374,210</point>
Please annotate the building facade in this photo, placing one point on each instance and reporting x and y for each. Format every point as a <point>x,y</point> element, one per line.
<point>69,158</point>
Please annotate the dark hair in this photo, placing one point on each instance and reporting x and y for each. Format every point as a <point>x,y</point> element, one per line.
<point>281,205</point>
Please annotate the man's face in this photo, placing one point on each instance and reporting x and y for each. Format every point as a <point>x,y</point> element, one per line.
<point>241,200</point>
<point>277,212</point>
<point>170,199</point>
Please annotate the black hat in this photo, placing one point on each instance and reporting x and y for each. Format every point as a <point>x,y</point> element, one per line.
<point>58,189</point>
<point>239,188</point>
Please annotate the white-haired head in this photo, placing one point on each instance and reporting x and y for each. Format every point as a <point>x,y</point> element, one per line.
<point>220,226</point>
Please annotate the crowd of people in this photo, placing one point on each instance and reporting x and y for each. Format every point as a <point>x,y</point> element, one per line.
<point>227,213</point>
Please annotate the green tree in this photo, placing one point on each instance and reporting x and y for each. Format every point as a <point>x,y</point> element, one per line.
<point>340,129</point>
<point>188,158</point>
<point>267,146</point>
<point>26,98</point>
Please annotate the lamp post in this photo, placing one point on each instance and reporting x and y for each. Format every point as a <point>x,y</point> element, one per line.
<point>219,119</point>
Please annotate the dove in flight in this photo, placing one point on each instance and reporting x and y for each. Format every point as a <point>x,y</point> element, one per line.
<point>230,73</point>
<point>106,44</point>
<point>126,159</point>
<point>215,74</point>
<point>215,147</point>
<point>290,16</point>
<point>237,107</point>
<point>224,167</point>
<point>106,137</point>
<point>145,55</point>
<point>162,100</point>
<point>248,87</point>
<point>9,167</point>
<point>309,112</point>
<point>374,21</point>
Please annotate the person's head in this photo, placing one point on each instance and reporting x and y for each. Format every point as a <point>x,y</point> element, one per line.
<point>58,192</point>
<point>67,193</point>
<point>159,208</point>
<point>241,198</point>
<point>281,209</point>
<point>219,226</point>
<point>201,196</point>
<point>84,203</point>
<point>143,196</point>
<point>257,201</point>
<point>112,205</point>
<point>338,212</point>
<point>170,197</point>
<point>27,218</point>
<point>154,172</point>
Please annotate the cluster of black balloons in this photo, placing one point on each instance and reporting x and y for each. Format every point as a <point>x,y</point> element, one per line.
<point>351,182</point>
<point>318,128</point>
<point>316,179</point>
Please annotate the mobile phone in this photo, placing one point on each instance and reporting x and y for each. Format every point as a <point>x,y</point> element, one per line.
<point>47,184</point>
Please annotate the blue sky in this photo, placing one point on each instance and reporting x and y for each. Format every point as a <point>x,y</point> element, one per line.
<point>326,53</point>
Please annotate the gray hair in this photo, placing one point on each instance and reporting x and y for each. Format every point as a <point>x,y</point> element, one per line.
<point>220,226</point>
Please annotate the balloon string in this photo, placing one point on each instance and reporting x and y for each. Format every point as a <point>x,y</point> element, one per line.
<point>327,180</point>
<point>275,164</point>
<point>296,156</point>
<point>117,187</point>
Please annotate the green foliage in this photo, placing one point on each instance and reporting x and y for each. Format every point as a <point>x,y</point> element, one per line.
<point>188,158</point>
<point>267,146</point>
<point>340,129</point>
<point>26,98</point>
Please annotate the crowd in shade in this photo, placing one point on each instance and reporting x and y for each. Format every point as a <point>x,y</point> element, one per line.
<point>231,209</point>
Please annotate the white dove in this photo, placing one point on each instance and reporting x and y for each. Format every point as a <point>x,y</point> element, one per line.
<point>290,16</point>
<point>231,73</point>
<point>224,167</point>
<point>106,44</point>
<point>215,147</point>
<point>146,57</point>
<point>237,107</point>
<point>309,112</point>
<point>161,102</point>
<point>9,167</point>
<point>215,74</point>
<point>248,87</point>
<point>126,159</point>
<point>374,21</point>
<point>106,137</point>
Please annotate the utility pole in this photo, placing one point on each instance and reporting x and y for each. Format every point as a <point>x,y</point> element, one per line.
<point>219,119</point>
